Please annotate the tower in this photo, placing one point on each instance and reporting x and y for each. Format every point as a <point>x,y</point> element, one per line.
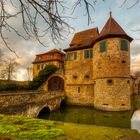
<point>111,68</point>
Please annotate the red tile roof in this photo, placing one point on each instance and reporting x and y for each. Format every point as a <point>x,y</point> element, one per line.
<point>86,39</point>
<point>45,57</point>
<point>52,51</point>
<point>83,39</point>
<point>113,29</point>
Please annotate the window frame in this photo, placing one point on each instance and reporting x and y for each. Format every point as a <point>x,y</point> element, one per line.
<point>123,45</point>
<point>88,54</point>
<point>102,46</point>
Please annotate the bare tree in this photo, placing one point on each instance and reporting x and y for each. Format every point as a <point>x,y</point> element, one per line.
<point>9,67</point>
<point>30,73</point>
<point>39,17</point>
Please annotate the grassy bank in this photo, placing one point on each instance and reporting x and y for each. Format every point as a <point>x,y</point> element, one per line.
<point>18,127</point>
<point>92,132</point>
<point>28,128</point>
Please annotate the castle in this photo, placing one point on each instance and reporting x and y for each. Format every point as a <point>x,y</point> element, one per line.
<point>96,68</point>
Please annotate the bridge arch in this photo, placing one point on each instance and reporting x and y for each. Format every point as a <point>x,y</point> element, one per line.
<point>55,83</point>
<point>44,112</point>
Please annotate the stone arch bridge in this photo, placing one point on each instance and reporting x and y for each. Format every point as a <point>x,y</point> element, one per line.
<point>29,103</point>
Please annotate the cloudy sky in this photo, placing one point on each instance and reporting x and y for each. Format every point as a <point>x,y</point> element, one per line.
<point>129,19</point>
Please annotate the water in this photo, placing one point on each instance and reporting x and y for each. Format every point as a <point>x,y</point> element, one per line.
<point>88,115</point>
<point>135,120</point>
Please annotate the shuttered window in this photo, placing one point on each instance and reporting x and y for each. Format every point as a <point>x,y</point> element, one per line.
<point>71,56</point>
<point>85,53</point>
<point>102,46</point>
<point>75,55</point>
<point>124,45</point>
<point>68,56</point>
<point>88,53</point>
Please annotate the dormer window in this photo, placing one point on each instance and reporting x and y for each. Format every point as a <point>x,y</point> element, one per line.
<point>103,46</point>
<point>124,45</point>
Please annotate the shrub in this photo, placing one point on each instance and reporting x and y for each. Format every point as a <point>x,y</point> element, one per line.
<point>37,81</point>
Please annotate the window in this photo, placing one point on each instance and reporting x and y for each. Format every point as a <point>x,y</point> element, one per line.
<point>123,61</point>
<point>75,55</point>
<point>71,56</point>
<point>86,76</point>
<point>109,82</point>
<point>38,66</point>
<point>68,56</point>
<point>88,53</point>
<point>74,76</point>
<point>124,45</point>
<point>102,46</point>
<point>78,89</point>
<point>42,66</point>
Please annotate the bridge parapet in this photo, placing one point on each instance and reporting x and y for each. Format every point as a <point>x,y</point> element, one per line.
<point>29,103</point>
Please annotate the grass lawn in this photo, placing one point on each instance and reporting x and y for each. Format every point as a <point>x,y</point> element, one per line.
<point>28,128</point>
<point>18,127</point>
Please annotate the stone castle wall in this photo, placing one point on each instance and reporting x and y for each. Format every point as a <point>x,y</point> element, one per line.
<point>113,62</point>
<point>111,72</point>
<point>79,85</point>
<point>113,96</point>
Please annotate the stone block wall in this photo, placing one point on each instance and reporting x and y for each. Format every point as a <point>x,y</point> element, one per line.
<point>113,62</point>
<point>79,84</point>
<point>113,96</point>
<point>81,94</point>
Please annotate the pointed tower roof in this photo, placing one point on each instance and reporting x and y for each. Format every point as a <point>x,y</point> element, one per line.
<point>113,29</point>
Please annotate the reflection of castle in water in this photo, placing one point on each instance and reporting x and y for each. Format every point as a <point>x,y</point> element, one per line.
<point>86,115</point>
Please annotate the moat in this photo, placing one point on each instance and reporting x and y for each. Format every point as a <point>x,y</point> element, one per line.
<point>88,115</point>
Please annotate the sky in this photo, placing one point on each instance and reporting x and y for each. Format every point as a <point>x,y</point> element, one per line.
<point>128,19</point>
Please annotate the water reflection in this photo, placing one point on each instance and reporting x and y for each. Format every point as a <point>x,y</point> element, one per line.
<point>135,120</point>
<point>87,115</point>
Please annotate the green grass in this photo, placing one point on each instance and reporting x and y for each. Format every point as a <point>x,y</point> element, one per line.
<point>28,128</point>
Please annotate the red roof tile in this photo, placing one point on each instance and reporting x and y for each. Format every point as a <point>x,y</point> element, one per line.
<point>86,39</point>
<point>113,29</point>
<point>83,39</point>
<point>52,51</point>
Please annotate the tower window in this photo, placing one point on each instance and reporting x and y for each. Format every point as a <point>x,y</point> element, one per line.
<point>86,76</point>
<point>109,81</point>
<point>123,61</point>
<point>102,46</point>
<point>124,45</point>
<point>78,89</point>
<point>74,76</point>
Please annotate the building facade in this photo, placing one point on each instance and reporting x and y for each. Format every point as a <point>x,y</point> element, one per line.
<point>97,68</point>
<point>53,57</point>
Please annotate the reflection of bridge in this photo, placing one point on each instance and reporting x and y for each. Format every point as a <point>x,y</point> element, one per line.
<point>29,103</point>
